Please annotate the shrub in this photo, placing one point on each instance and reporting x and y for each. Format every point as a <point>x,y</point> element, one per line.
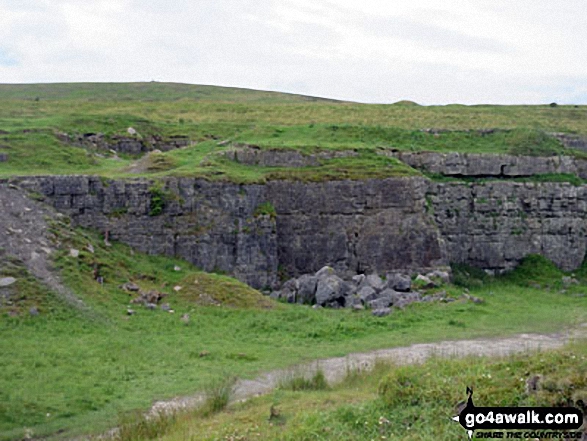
<point>218,394</point>
<point>297,381</point>
<point>135,426</point>
<point>158,200</point>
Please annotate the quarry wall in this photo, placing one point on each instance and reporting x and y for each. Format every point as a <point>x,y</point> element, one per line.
<point>260,233</point>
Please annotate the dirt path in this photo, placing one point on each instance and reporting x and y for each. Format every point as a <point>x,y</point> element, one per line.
<point>336,368</point>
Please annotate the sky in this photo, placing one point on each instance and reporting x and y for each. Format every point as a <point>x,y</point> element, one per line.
<point>373,51</point>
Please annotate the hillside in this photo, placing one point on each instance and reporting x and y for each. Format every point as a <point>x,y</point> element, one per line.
<point>105,128</point>
<point>159,240</point>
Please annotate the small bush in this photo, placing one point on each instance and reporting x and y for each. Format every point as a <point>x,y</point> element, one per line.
<point>297,381</point>
<point>158,200</point>
<point>265,209</point>
<point>402,386</point>
<point>468,276</point>
<point>218,395</point>
<point>135,426</point>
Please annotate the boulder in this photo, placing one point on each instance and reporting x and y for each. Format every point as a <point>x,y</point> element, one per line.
<point>325,271</point>
<point>6,281</point>
<point>307,288</point>
<point>374,281</point>
<point>399,282</point>
<point>329,288</point>
<point>425,282</point>
<point>380,303</point>
<point>382,312</point>
<point>438,274</point>
<point>404,299</point>
<point>129,286</point>
<point>358,279</point>
<point>366,294</point>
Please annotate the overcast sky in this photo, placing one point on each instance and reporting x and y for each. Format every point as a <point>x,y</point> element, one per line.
<point>431,52</point>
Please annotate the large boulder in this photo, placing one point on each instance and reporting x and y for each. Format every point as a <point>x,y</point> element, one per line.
<point>329,289</point>
<point>366,294</point>
<point>399,282</point>
<point>325,271</point>
<point>307,289</point>
<point>374,281</point>
<point>379,303</point>
<point>401,300</point>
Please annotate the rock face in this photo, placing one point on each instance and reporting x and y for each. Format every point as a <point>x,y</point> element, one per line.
<point>355,226</point>
<point>495,224</point>
<point>131,145</point>
<point>388,226</point>
<point>488,165</point>
<point>253,155</point>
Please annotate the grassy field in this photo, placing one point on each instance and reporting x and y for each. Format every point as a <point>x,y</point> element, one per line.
<point>32,117</point>
<point>67,372</point>
<point>395,403</point>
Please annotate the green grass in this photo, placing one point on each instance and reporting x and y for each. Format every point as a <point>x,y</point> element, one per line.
<point>70,372</point>
<point>399,403</point>
<point>208,115</point>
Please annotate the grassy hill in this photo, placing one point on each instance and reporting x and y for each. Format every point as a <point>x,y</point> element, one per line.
<point>35,121</point>
<point>152,91</point>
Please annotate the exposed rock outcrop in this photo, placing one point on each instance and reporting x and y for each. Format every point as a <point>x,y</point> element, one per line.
<point>489,165</point>
<point>131,145</point>
<point>404,225</point>
<point>282,157</point>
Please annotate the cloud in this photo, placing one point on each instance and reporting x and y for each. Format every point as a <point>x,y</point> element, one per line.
<point>489,51</point>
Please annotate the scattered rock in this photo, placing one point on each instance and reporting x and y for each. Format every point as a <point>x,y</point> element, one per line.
<point>325,272</point>
<point>131,131</point>
<point>177,268</point>
<point>34,311</point>
<point>6,281</point>
<point>367,294</point>
<point>399,282</point>
<point>204,354</point>
<point>129,286</point>
<point>568,281</point>
<point>151,306</point>
<point>438,274</point>
<point>90,248</point>
<point>177,288</point>
<point>404,299</point>
<point>307,288</point>
<point>185,318</point>
<point>130,312</point>
<point>329,289</point>
<point>73,252</point>
<point>374,281</point>
<point>358,279</point>
<point>358,307</point>
<point>165,307</point>
<point>533,384</point>
<point>379,303</point>
<point>3,157</point>
<point>425,282</point>
<point>382,312</point>
<point>145,298</point>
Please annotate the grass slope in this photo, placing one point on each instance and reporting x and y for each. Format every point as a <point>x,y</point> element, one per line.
<point>29,128</point>
<point>66,373</point>
<point>397,403</point>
